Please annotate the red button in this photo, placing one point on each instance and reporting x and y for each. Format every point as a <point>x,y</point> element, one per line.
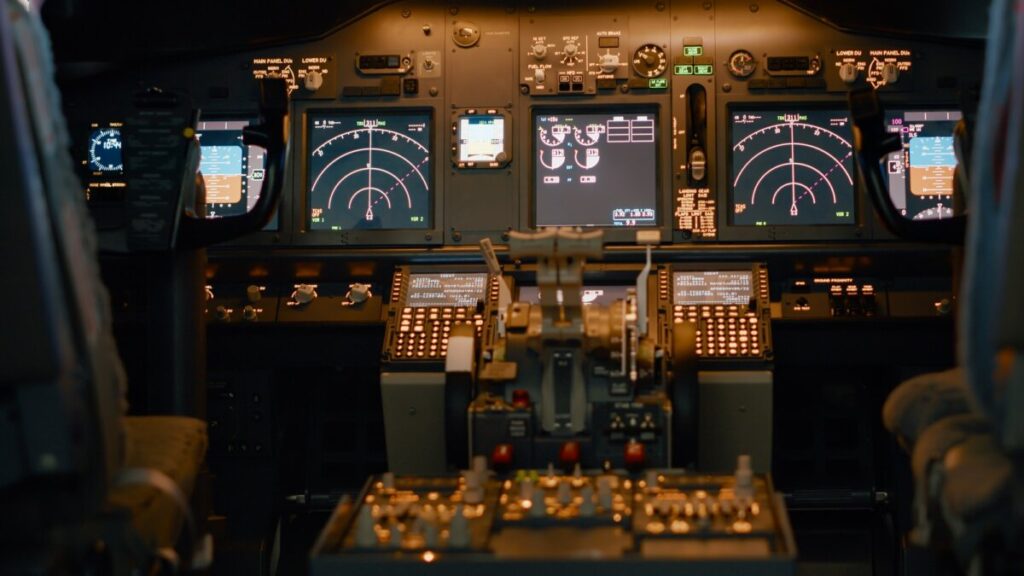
<point>635,455</point>
<point>502,456</point>
<point>520,398</point>
<point>569,454</point>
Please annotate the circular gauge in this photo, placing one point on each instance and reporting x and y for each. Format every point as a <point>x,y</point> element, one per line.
<point>938,212</point>
<point>370,172</point>
<point>105,150</point>
<point>742,64</point>
<point>555,136</point>
<point>792,168</point>
<point>589,135</point>
<point>649,61</point>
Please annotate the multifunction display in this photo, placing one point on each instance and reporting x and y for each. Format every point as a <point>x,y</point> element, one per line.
<point>369,170</point>
<point>791,167</point>
<point>232,172</point>
<point>596,169</point>
<point>921,172</point>
<point>459,290</point>
<point>712,287</point>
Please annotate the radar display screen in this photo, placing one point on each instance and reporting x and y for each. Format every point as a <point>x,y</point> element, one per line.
<point>596,169</point>
<point>712,287</point>
<point>446,289</point>
<point>232,172</point>
<point>105,150</point>
<point>481,139</point>
<point>921,173</point>
<point>369,170</point>
<point>791,167</point>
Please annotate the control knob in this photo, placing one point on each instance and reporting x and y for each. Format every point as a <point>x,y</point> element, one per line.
<point>358,293</point>
<point>313,81</point>
<point>609,63</point>
<point>304,294</point>
<point>848,72</point>
<point>539,50</point>
<point>253,294</point>
<point>890,73</point>
<point>249,313</point>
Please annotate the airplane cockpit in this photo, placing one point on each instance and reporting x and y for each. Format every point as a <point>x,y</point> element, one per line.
<point>410,287</point>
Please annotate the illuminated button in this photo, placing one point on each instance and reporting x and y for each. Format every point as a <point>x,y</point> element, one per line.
<point>406,310</point>
<point>678,308</point>
<point>417,328</point>
<point>678,321</point>
<point>404,328</point>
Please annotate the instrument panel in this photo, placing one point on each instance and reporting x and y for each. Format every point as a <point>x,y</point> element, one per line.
<point>420,126</point>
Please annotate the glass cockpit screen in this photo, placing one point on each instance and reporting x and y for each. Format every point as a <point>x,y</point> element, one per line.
<point>105,150</point>
<point>453,289</point>
<point>712,287</point>
<point>791,167</point>
<point>596,169</point>
<point>921,173</point>
<point>482,139</point>
<point>232,172</point>
<point>369,170</point>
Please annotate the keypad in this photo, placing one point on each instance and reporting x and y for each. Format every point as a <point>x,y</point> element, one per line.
<point>723,331</point>
<point>422,333</point>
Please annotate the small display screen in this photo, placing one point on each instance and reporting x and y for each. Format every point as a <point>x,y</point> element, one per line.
<point>712,287</point>
<point>232,172</point>
<point>482,138</point>
<point>105,150</point>
<point>596,169</point>
<point>921,173</point>
<point>446,289</point>
<point>791,168</point>
<point>369,170</point>
<point>601,295</point>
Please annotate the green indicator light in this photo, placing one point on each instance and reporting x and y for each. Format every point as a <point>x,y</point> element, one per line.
<point>693,50</point>
<point>684,70</point>
<point>657,83</point>
<point>704,69</point>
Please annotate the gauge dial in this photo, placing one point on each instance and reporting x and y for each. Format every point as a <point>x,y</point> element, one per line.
<point>650,61</point>
<point>742,64</point>
<point>105,150</point>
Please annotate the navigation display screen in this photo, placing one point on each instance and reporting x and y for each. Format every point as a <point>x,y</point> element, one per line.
<point>233,172</point>
<point>446,289</point>
<point>595,169</point>
<point>791,168</point>
<point>921,173</point>
<point>369,170</point>
<point>481,138</point>
<point>712,287</point>
<point>601,295</point>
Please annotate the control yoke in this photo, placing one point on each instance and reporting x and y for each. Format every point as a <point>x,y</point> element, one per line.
<point>270,134</point>
<point>871,144</point>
